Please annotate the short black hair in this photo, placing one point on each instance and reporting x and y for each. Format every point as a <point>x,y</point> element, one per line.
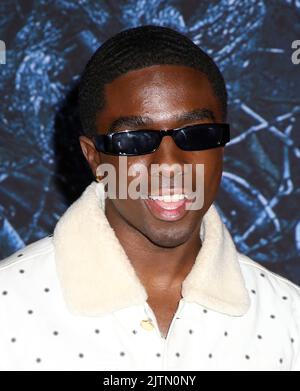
<point>137,48</point>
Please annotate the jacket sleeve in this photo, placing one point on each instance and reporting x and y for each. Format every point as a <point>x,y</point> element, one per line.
<point>296,364</point>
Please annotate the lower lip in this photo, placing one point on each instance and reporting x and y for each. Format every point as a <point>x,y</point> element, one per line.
<point>167,211</point>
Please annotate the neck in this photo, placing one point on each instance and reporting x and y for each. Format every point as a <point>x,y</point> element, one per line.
<point>158,268</point>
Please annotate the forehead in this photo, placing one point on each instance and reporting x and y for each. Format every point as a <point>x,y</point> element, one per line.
<point>160,92</point>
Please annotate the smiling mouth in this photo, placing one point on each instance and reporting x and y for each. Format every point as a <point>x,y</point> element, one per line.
<point>168,207</point>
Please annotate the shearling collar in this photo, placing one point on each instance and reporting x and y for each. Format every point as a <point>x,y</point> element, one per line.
<point>96,275</point>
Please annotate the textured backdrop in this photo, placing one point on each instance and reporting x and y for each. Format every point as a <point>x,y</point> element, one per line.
<point>42,169</point>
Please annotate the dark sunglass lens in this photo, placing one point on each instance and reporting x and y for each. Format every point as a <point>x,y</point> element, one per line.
<point>135,142</point>
<point>196,138</point>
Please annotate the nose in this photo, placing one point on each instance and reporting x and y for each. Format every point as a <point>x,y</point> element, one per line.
<point>167,151</point>
<point>170,158</point>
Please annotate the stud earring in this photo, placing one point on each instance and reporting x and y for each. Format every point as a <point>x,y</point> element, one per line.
<point>98,177</point>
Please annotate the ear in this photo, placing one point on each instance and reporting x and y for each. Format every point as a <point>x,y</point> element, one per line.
<point>90,153</point>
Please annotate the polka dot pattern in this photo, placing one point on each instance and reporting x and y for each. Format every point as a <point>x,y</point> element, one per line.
<point>199,337</point>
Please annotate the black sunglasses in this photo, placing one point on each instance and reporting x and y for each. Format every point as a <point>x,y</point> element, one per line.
<point>140,142</point>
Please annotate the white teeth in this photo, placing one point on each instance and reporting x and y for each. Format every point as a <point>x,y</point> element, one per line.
<point>169,198</point>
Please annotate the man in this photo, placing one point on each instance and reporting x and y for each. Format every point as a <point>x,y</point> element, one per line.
<point>146,283</point>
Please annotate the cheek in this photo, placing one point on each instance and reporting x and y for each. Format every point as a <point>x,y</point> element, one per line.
<point>137,215</point>
<point>213,168</point>
<point>130,209</point>
<point>212,161</point>
<point>127,170</point>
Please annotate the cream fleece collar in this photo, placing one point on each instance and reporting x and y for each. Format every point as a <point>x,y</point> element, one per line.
<point>96,275</point>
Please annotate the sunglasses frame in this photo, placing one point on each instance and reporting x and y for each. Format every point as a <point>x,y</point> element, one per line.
<point>165,132</point>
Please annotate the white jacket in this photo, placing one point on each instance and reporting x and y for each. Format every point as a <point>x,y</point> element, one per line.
<point>72,301</point>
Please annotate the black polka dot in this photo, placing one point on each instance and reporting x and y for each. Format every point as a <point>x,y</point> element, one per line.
<point>21,271</point>
<point>20,255</point>
<point>30,312</point>
<point>281,360</point>
<point>46,289</point>
<point>97,331</point>
<point>247,357</point>
<point>13,340</point>
<point>253,291</point>
<point>284,298</point>
<point>259,336</point>
<point>122,354</point>
<point>55,332</point>
<point>134,331</point>
<point>191,331</point>
<point>292,340</point>
<point>177,354</point>
<point>4,293</point>
<point>272,316</point>
<point>38,360</point>
<point>205,310</point>
<point>80,355</point>
<point>262,274</point>
<point>210,355</point>
<point>225,333</point>
<point>157,354</point>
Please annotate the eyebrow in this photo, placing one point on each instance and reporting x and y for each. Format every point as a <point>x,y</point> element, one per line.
<point>137,120</point>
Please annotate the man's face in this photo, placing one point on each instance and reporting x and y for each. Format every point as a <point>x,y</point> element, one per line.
<point>162,95</point>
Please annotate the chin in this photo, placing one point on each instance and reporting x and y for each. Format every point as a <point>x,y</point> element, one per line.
<point>168,238</point>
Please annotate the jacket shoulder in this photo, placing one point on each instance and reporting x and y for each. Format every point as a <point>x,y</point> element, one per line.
<point>275,293</point>
<point>34,250</point>
<point>256,274</point>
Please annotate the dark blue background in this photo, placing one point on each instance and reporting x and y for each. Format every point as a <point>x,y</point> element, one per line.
<point>42,169</point>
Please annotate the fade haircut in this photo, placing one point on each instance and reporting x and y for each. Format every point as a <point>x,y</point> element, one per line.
<point>137,48</point>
